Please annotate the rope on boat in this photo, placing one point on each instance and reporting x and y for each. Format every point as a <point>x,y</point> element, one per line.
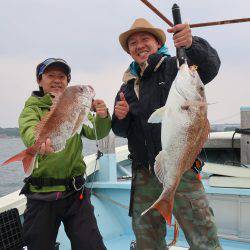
<point>176,225</point>
<point>105,197</point>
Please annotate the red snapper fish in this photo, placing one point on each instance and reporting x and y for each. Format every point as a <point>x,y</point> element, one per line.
<point>184,130</point>
<point>59,124</point>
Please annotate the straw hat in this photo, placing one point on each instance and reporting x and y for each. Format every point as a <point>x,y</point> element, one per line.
<point>141,25</point>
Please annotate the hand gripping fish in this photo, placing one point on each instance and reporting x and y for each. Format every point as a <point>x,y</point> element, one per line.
<point>59,124</point>
<point>184,130</point>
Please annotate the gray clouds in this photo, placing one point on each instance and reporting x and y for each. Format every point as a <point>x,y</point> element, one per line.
<point>85,33</point>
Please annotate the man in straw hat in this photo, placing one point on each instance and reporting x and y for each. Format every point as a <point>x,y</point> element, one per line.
<point>146,86</point>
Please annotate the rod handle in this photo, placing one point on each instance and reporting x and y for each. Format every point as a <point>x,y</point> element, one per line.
<point>180,52</point>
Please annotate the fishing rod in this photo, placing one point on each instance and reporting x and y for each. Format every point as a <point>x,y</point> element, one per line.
<point>180,52</point>
<point>241,20</point>
<point>196,25</point>
<point>158,13</point>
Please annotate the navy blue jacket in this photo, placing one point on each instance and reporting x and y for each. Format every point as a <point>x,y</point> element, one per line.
<point>144,139</point>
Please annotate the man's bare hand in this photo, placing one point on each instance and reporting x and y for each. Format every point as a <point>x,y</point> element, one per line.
<point>121,107</point>
<point>100,108</point>
<point>46,148</point>
<point>182,35</point>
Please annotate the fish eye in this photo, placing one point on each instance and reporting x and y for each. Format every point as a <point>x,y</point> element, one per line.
<point>81,89</point>
<point>201,88</point>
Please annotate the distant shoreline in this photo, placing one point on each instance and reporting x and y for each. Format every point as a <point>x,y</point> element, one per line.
<point>6,133</point>
<point>8,137</point>
<point>12,133</point>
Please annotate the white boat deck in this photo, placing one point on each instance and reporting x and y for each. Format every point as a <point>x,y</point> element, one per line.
<point>231,206</point>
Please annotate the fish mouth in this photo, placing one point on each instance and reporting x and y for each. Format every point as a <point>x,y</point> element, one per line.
<point>87,92</point>
<point>89,86</point>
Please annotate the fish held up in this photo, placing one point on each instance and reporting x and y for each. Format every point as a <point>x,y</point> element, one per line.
<point>184,131</point>
<point>59,124</point>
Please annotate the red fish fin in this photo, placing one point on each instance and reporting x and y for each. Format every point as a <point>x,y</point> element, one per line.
<point>18,157</point>
<point>165,209</point>
<point>26,157</point>
<point>29,163</point>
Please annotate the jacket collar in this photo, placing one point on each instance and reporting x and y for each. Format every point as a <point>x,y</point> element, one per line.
<point>151,65</point>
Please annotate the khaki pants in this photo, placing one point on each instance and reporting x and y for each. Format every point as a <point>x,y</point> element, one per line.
<point>191,209</point>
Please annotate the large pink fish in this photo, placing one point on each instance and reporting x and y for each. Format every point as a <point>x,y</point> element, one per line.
<point>59,124</point>
<point>184,130</point>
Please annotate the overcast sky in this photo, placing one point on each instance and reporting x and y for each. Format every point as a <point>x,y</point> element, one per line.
<point>85,33</point>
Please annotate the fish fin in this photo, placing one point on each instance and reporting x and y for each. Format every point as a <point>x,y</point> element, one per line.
<point>164,207</point>
<point>17,157</point>
<point>29,164</point>
<point>26,157</point>
<point>78,122</point>
<point>156,117</point>
<point>160,170</point>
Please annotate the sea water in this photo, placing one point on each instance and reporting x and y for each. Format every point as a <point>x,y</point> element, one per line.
<point>12,175</point>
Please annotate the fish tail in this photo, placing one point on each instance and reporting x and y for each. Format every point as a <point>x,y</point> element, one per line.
<point>164,207</point>
<point>27,157</point>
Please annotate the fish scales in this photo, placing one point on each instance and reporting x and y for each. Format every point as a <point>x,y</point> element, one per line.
<point>184,130</point>
<point>59,124</point>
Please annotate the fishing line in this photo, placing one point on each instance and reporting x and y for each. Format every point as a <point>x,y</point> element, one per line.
<point>99,154</point>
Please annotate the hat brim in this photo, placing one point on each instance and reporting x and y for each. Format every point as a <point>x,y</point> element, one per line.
<point>64,66</point>
<point>158,33</point>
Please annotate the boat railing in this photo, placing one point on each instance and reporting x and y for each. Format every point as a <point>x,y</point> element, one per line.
<point>14,200</point>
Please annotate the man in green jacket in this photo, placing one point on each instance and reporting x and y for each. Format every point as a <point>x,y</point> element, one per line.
<point>55,191</point>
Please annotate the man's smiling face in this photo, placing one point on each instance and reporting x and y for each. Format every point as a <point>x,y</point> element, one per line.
<point>141,45</point>
<point>54,80</point>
